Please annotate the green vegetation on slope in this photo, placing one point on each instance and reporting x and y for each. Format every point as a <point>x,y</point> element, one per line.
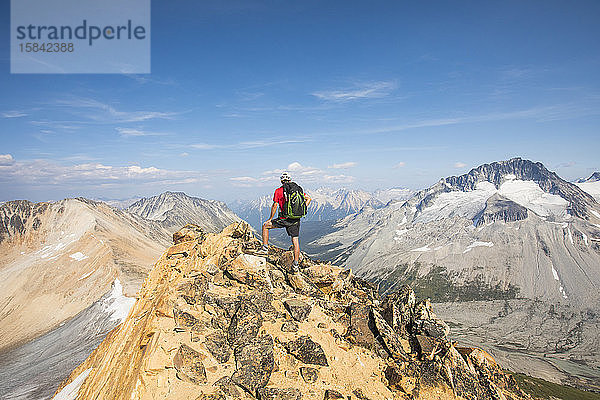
<point>439,286</point>
<point>542,389</point>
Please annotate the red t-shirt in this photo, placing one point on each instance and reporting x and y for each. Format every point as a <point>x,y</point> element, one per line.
<point>279,198</point>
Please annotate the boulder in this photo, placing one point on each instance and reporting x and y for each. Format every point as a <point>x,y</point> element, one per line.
<point>227,386</point>
<point>309,374</point>
<point>250,270</point>
<point>184,319</point>
<point>331,394</point>
<point>307,351</point>
<point>289,326</point>
<point>188,364</point>
<point>389,337</point>
<point>359,331</point>
<point>216,343</point>
<point>183,249</point>
<point>398,310</point>
<point>211,396</point>
<point>254,363</point>
<point>322,274</point>
<point>188,233</point>
<point>268,393</point>
<point>245,324</point>
<point>401,378</point>
<point>298,309</point>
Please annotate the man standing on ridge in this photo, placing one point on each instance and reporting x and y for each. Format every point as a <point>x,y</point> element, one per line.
<point>293,204</point>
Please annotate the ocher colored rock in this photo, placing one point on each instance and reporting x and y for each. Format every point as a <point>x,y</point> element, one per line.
<point>250,270</point>
<point>188,233</point>
<point>394,350</point>
<point>189,365</point>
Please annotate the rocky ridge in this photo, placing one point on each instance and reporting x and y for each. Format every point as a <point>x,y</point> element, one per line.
<point>214,321</point>
<point>172,210</point>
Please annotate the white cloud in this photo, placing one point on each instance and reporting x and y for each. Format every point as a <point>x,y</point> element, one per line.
<point>338,179</point>
<point>366,90</point>
<point>137,132</point>
<point>345,165</point>
<point>47,173</point>
<point>400,164</point>
<point>13,114</point>
<point>299,173</point>
<point>184,154</point>
<point>459,165</point>
<point>567,164</point>
<point>6,159</point>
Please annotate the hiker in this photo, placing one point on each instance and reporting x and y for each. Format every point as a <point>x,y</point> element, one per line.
<point>292,203</point>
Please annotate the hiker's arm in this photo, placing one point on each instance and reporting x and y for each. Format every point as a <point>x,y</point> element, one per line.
<point>308,199</point>
<point>273,210</point>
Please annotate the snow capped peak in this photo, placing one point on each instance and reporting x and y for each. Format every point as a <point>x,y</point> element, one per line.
<point>595,177</point>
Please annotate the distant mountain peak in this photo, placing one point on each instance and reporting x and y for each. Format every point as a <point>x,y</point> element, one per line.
<point>595,177</point>
<point>175,209</point>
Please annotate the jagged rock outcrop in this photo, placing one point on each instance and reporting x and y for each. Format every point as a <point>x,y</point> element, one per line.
<point>498,208</point>
<point>212,321</point>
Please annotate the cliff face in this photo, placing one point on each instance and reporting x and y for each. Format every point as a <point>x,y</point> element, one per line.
<point>214,321</point>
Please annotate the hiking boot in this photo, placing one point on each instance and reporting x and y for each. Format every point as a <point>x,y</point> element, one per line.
<point>263,251</point>
<point>295,267</point>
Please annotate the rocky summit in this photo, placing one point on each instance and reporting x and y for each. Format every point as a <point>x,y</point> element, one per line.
<point>214,321</point>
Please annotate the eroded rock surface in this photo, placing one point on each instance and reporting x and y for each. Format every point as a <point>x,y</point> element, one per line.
<point>215,322</point>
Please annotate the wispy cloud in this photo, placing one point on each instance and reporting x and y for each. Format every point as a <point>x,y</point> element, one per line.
<point>250,144</point>
<point>107,113</point>
<point>567,164</point>
<point>459,164</point>
<point>137,132</point>
<point>542,114</point>
<point>365,90</point>
<point>345,165</point>
<point>13,114</point>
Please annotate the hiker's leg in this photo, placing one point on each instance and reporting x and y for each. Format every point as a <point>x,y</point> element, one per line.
<point>296,243</point>
<point>265,232</point>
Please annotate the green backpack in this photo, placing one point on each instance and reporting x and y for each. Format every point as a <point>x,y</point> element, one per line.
<point>294,206</point>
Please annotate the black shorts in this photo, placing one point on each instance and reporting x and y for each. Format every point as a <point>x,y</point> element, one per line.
<point>292,226</point>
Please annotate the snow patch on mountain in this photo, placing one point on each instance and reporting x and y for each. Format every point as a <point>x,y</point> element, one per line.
<point>477,244</point>
<point>530,195</point>
<point>592,188</point>
<point>78,256</point>
<point>457,204</point>
<point>117,304</point>
<point>70,391</point>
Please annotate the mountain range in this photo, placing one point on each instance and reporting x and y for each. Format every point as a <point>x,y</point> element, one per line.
<point>511,236</point>
<point>327,204</point>
<point>69,271</point>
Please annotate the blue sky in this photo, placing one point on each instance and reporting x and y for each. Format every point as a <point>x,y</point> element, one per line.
<point>341,93</point>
